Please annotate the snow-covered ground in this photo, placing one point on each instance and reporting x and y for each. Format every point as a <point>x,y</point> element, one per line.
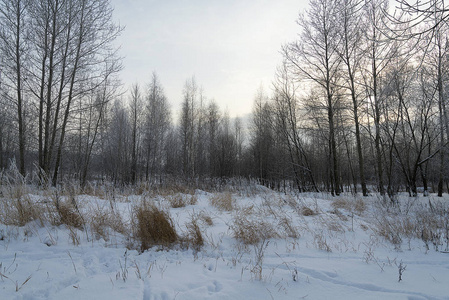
<point>308,249</point>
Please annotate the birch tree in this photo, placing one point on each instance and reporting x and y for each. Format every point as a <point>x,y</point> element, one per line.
<point>314,58</point>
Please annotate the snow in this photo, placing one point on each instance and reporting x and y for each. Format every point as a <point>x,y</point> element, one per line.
<point>41,262</point>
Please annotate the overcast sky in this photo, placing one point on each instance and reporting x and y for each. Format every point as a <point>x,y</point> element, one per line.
<point>230,46</point>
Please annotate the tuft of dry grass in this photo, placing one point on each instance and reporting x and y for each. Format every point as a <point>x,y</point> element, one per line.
<point>342,203</point>
<point>390,230</point>
<point>307,211</point>
<point>194,237</point>
<point>103,218</point>
<point>321,242</point>
<point>69,215</point>
<point>63,210</point>
<point>251,232</point>
<point>181,200</point>
<point>357,205</point>
<point>223,201</point>
<point>154,227</point>
<point>170,188</point>
<point>19,211</point>
<point>290,230</point>
<point>205,218</point>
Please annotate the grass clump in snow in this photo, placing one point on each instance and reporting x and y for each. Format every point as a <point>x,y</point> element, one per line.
<point>429,223</point>
<point>290,230</point>
<point>102,219</point>
<point>194,237</point>
<point>206,218</point>
<point>223,201</point>
<point>181,200</point>
<point>252,231</point>
<point>356,205</point>
<point>307,211</point>
<point>69,216</point>
<point>154,227</point>
<point>18,211</point>
<point>65,211</point>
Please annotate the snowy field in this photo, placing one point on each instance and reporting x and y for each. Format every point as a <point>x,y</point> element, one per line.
<point>257,244</point>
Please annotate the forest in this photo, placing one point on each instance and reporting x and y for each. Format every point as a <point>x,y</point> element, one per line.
<point>336,186</point>
<point>358,104</point>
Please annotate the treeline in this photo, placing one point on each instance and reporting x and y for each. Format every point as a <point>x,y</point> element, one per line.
<point>57,74</point>
<point>360,99</point>
<point>358,103</point>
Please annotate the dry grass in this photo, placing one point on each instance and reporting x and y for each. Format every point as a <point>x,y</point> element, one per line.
<point>16,207</point>
<point>432,226</point>
<point>223,201</point>
<point>194,236</point>
<point>321,242</point>
<point>251,232</point>
<point>69,215</point>
<point>390,229</point>
<point>357,206</point>
<point>307,211</point>
<point>19,211</point>
<point>290,230</point>
<point>205,218</point>
<point>169,189</point>
<point>94,190</point>
<point>429,223</point>
<point>252,224</point>
<point>64,210</point>
<point>332,224</point>
<point>181,200</point>
<point>102,219</point>
<point>154,227</point>
<point>342,203</point>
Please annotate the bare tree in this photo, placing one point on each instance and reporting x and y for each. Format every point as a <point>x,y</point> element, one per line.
<point>416,12</point>
<point>287,118</point>
<point>135,106</point>
<point>213,122</point>
<point>227,148</point>
<point>380,50</point>
<point>14,49</point>
<point>117,150</point>
<point>188,127</point>
<point>261,138</point>
<point>239,137</point>
<point>314,58</point>
<point>350,25</point>
<point>157,126</point>
<point>69,53</point>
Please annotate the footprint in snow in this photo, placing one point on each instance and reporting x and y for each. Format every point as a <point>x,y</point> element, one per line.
<point>215,288</point>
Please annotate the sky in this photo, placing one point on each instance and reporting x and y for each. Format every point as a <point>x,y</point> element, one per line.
<point>231,47</point>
